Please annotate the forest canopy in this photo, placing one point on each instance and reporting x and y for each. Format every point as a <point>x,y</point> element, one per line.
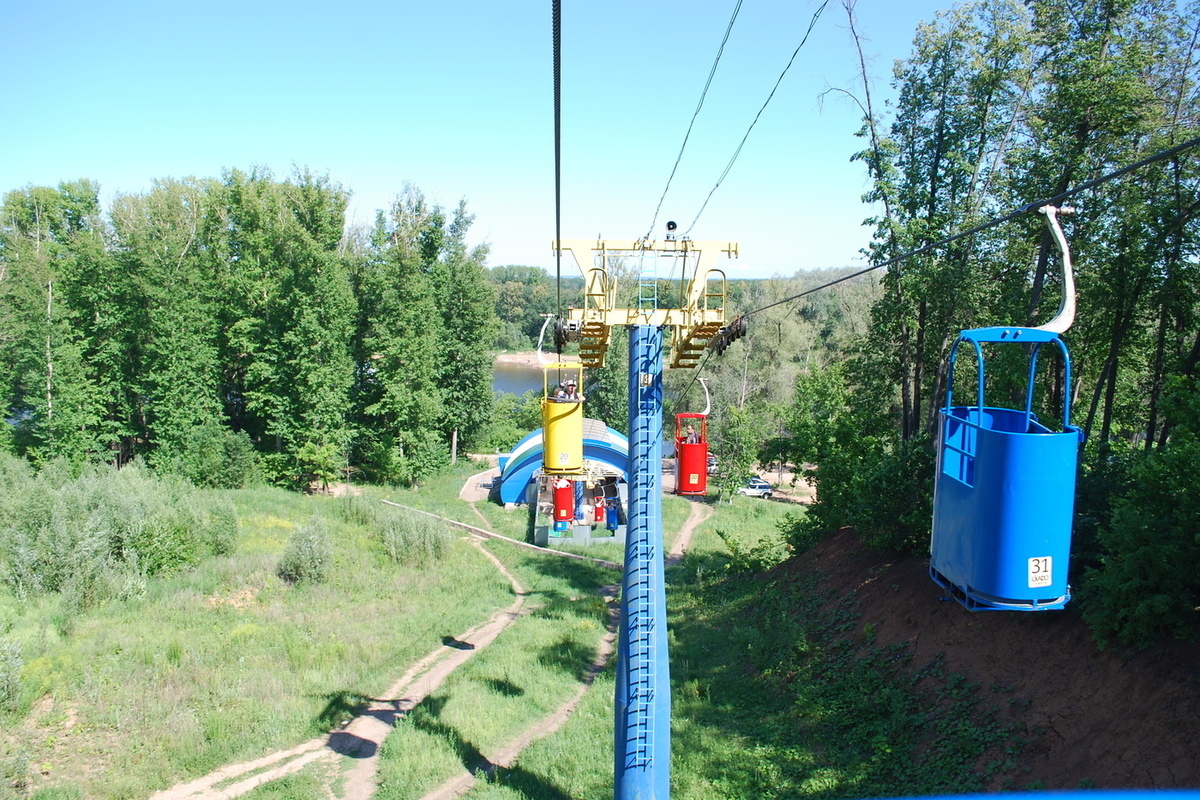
<point>241,314</point>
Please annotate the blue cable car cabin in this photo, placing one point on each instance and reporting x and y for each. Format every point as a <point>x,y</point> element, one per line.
<point>1004,491</point>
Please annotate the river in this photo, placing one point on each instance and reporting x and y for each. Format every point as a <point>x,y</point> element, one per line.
<point>516,378</point>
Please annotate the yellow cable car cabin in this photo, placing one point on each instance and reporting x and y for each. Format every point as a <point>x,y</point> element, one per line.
<point>562,419</point>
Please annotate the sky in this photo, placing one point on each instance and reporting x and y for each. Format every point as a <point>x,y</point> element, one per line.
<point>456,99</point>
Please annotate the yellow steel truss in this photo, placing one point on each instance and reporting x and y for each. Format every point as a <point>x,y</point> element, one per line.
<point>699,316</point>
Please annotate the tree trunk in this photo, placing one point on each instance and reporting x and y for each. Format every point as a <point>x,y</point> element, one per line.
<point>1156,381</point>
<point>49,362</point>
<point>914,423</point>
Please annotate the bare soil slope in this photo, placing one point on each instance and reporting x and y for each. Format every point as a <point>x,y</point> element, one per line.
<point>1113,719</point>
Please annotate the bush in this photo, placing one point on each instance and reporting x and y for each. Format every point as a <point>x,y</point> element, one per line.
<point>358,509</point>
<point>217,521</point>
<point>867,476</point>
<point>412,538</point>
<point>319,463</point>
<point>213,456</point>
<point>16,479</point>
<point>307,555</point>
<point>757,557</point>
<point>15,772</point>
<point>1148,581</point>
<point>10,673</point>
<point>96,536</point>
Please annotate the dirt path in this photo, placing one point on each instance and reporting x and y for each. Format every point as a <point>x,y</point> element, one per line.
<point>700,512</point>
<point>363,736</point>
<point>506,756</point>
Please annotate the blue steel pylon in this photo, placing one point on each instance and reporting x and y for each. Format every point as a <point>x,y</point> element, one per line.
<point>643,696</point>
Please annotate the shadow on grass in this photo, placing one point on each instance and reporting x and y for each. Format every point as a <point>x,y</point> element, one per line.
<point>583,576</point>
<point>503,687</point>
<point>340,707</point>
<point>426,718</point>
<point>457,644</point>
<point>570,656</point>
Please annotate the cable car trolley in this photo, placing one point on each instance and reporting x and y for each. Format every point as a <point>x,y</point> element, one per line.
<point>691,454</point>
<point>691,449</point>
<point>1004,490</point>
<point>1004,494</point>
<point>562,419</point>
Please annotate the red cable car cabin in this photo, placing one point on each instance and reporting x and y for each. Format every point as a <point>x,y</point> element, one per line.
<point>564,503</point>
<point>691,454</point>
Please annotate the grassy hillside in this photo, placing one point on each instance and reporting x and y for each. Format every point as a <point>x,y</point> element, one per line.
<point>227,660</point>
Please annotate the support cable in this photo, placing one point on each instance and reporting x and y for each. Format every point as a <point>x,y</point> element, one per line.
<point>696,373</point>
<point>738,151</point>
<point>556,24</point>
<point>1025,209</point>
<point>695,114</point>
<point>1029,207</point>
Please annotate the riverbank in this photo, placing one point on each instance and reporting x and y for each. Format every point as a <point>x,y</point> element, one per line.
<point>527,358</point>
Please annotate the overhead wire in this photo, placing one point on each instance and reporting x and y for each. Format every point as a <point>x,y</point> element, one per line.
<point>1025,209</point>
<point>812,23</point>
<point>556,24</point>
<point>696,113</point>
<point>695,377</point>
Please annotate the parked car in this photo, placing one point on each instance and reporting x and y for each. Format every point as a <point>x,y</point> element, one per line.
<point>756,487</point>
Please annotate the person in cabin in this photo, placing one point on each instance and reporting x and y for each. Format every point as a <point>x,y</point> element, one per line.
<point>568,392</point>
<point>691,437</point>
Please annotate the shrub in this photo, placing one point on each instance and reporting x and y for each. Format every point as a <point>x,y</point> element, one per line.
<point>361,510</point>
<point>307,555</point>
<point>756,557</point>
<point>96,536</point>
<point>15,772</point>
<point>10,673</point>
<point>866,476</point>
<point>319,463</point>
<point>16,479</point>
<point>1148,581</point>
<point>218,522</point>
<point>412,538</point>
<point>213,456</point>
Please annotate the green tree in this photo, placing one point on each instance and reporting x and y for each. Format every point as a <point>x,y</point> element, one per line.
<point>46,238</point>
<point>607,389</point>
<point>469,324</point>
<point>738,448</point>
<point>523,296</point>
<point>1147,584</point>
<point>288,315</point>
<point>397,396</point>
<point>171,368</point>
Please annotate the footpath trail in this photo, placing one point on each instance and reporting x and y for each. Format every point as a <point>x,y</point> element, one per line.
<point>350,756</point>
<point>683,542</point>
<point>361,738</point>
<point>506,756</point>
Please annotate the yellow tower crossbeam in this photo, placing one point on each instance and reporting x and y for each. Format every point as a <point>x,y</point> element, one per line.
<point>699,316</point>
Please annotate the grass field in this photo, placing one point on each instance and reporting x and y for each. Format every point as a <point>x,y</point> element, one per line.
<point>768,699</point>
<point>537,664</point>
<point>226,661</point>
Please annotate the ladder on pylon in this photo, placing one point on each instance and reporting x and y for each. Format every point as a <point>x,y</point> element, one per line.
<point>648,282</point>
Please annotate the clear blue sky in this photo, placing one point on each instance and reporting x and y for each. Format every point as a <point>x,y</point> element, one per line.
<point>456,99</point>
